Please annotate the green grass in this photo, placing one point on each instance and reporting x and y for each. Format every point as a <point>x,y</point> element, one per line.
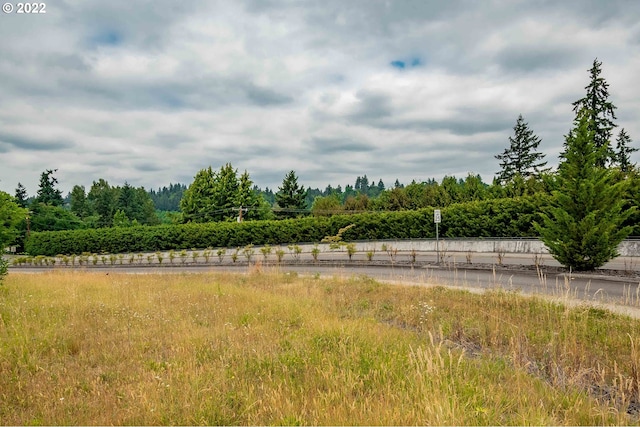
<point>268,348</point>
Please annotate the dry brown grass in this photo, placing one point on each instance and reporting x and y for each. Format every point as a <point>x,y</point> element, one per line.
<point>272,348</point>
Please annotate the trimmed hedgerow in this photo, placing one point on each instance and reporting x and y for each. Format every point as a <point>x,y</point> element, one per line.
<point>488,218</point>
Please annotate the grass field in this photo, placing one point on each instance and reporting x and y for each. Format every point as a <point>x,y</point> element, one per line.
<point>273,348</point>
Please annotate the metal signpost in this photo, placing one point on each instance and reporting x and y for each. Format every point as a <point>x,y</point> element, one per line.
<point>437,218</point>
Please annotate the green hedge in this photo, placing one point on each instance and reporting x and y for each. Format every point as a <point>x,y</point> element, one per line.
<point>490,218</point>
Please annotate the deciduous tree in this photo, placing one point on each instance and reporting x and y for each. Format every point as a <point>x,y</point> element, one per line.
<point>11,216</point>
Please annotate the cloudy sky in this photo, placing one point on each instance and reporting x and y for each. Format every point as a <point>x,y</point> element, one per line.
<point>150,92</point>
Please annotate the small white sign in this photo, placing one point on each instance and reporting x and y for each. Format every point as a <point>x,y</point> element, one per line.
<point>437,218</point>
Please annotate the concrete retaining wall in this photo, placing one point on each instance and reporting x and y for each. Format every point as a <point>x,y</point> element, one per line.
<point>518,246</point>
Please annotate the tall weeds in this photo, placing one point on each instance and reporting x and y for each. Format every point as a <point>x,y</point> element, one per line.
<point>269,348</point>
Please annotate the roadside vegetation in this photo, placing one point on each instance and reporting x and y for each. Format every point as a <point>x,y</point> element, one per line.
<point>274,348</point>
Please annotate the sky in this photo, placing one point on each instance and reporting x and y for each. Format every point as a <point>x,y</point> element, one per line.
<point>150,92</point>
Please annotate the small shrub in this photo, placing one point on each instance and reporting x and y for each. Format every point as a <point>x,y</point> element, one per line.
<point>183,256</point>
<point>234,256</point>
<point>160,257</point>
<point>150,258</point>
<point>315,252</point>
<point>194,256</point>
<point>221,252</point>
<point>248,252</point>
<point>351,250</point>
<point>280,254</point>
<point>172,256</point>
<point>370,254</point>
<point>266,251</point>
<point>295,251</point>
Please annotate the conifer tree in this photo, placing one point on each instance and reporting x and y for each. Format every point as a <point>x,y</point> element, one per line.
<point>79,204</point>
<point>248,197</point>
<point>21,196</point>
<point>48,193</point>
<point>102,201</point>
<point>211,196</point>
<point>601,113</point>
<point>583,227</point>
<point>521,158</point>
<point>623,151</point>
<point>291,197</point>
<point>197,199</point>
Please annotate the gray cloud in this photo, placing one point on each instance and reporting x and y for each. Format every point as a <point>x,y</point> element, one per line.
<point>337,145</point>
<point>19,142</point>
<point>151,92</point>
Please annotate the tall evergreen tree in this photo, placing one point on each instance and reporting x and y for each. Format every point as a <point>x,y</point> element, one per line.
<point>21,196</point>
<point>79,203</point>
<point>291,196</point>
<point>126,201</point>
<point>623,151</point>
<point>247,197</point>
<point>102,200</point>
<point>583,227</point>
<point>521,158</point>
<point>601,113</point>
<point>197,199</point>
<point>145,211</point>
<point>226,192</point>
<point>47,192</point>
<point>212,196</point>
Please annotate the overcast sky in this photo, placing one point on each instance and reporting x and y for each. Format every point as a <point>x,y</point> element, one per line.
<point>150,92</point>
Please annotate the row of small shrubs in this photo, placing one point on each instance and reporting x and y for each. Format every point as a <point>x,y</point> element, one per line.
<point>490,218</point>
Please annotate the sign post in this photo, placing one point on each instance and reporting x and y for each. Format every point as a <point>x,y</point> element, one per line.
<point>437,218</point>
